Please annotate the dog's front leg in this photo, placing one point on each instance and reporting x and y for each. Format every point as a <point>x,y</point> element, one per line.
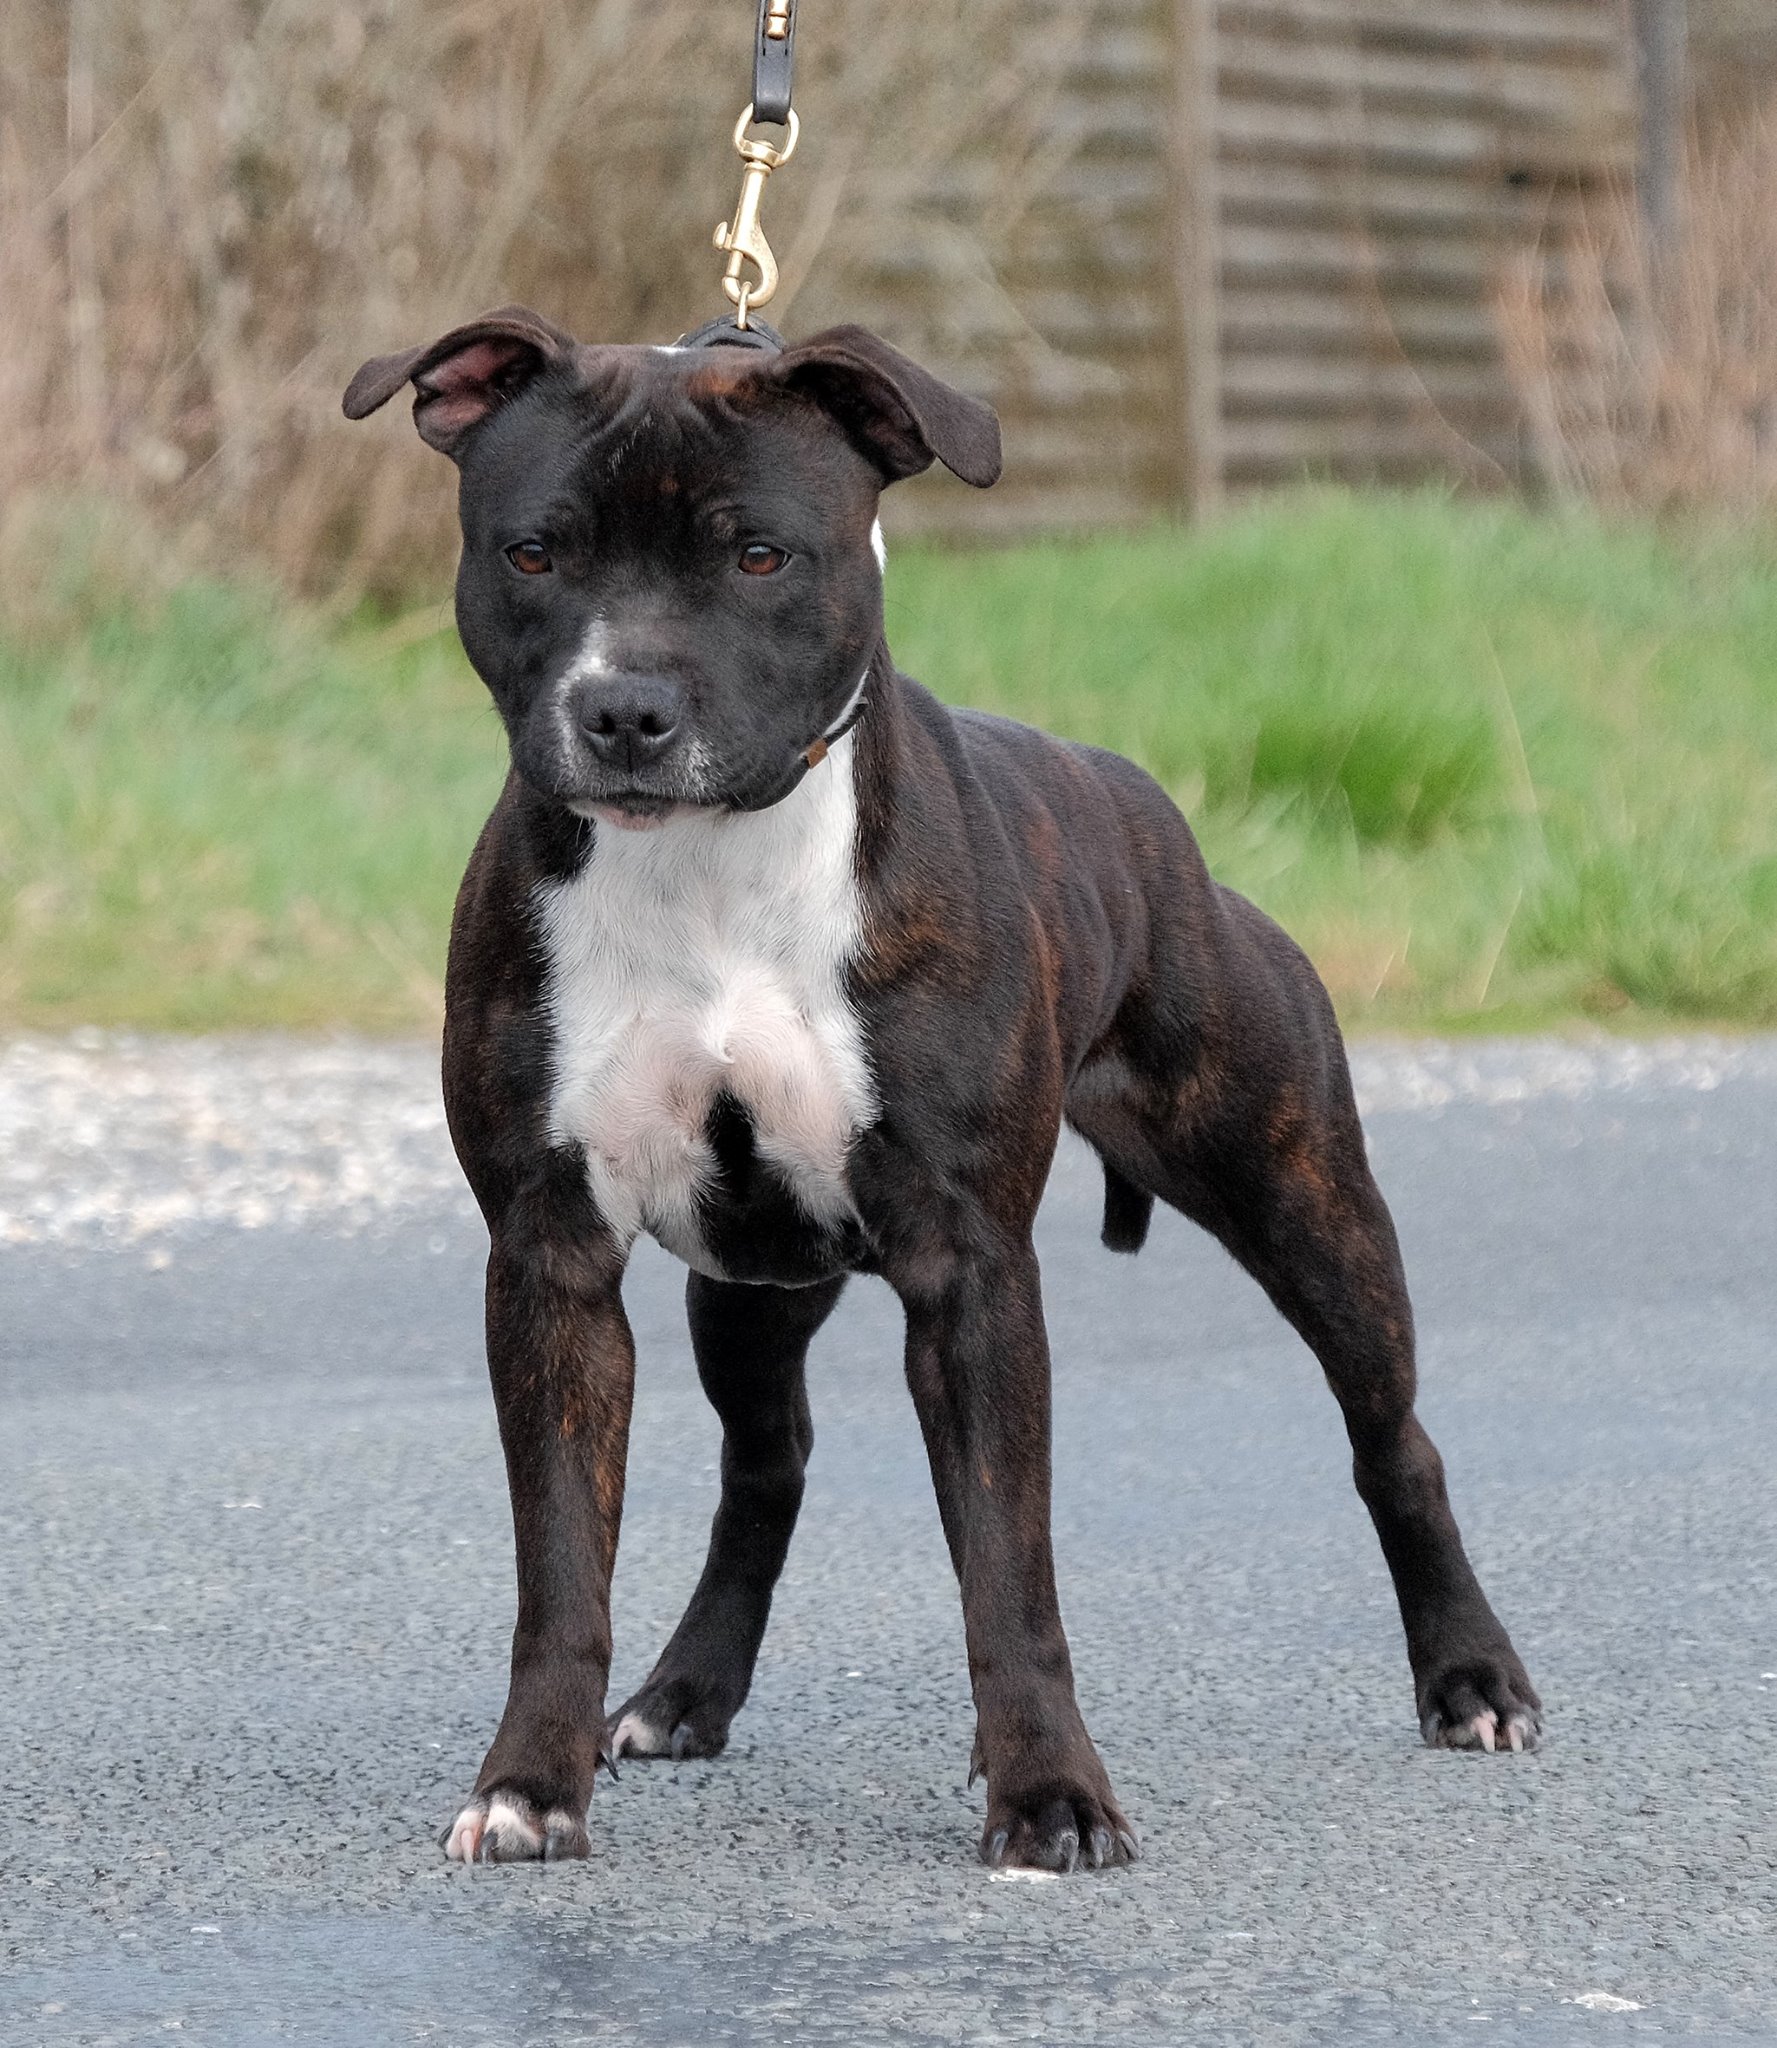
<point>978,1366</point>
<point>563,1367</point>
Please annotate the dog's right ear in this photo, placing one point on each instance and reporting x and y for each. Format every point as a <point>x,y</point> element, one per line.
<point>462,376</point>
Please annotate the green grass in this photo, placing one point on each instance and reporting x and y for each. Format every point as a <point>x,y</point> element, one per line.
<point>1494,769</point>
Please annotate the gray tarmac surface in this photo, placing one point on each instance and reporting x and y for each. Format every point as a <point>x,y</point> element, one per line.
<point>258,1585</point>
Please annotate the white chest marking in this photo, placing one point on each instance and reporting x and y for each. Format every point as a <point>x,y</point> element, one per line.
<point>704,957</point>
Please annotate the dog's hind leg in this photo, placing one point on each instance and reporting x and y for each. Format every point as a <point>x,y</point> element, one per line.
<point>751,1344</point>
<point>1313,1229</point>
<point>1263,1148</point>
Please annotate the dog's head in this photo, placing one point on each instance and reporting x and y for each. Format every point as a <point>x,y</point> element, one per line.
<point>668,579</point>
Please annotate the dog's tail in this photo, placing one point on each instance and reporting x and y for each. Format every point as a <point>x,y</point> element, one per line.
<point>1128,1210</point>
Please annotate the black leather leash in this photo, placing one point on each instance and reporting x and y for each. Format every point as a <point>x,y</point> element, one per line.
<point>774,61</point>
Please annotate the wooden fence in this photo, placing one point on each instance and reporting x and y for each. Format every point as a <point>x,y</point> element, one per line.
<point>1271,245</point>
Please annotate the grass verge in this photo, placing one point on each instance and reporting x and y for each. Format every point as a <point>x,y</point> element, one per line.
<point>1494,769</point>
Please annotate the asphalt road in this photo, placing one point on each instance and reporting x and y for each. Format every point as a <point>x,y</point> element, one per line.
<point>258,1588</point>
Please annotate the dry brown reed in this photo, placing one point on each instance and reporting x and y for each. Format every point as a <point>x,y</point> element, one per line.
<point>1648,375</point>
<point>211,210</point>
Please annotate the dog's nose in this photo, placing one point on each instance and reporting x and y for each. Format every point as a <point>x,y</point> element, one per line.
<point>629,720</point>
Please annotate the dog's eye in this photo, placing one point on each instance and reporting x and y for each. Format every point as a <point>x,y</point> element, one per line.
<point>760,560</point>
<point>530,558</point>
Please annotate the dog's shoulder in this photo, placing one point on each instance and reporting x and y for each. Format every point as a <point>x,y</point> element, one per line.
<point>1021,770</point>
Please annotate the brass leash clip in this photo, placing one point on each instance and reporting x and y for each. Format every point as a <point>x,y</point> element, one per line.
<point>743,241</point>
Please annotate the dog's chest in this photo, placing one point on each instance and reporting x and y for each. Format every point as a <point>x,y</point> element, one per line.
<point>696,986</point>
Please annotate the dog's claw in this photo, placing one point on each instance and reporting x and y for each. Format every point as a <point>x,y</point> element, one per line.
<point>1063,1834</point>
<point>681,1742</point>
<point>1488,1706</point>
<point>608,1760</point>
<point>1484,1732</point>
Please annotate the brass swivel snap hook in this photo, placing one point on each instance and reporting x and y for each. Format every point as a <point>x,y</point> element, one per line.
<point>743,241</point>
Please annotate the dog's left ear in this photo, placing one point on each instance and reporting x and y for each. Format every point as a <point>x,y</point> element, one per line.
<point>899,415</point>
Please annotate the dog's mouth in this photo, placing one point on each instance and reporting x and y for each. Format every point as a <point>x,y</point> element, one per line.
<point>631,810</point>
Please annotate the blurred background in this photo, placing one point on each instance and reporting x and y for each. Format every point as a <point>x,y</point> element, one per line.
<point>1390,390</point>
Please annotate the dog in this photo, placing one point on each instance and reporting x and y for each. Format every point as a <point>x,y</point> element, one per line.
<point>767,953</point>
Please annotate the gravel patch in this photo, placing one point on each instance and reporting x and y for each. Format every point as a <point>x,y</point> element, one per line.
<point>1436,1073</point>
<point>110,1136</point>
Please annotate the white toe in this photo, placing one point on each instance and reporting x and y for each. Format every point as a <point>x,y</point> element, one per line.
<point>512,1828</point>
<point>635,1737</point>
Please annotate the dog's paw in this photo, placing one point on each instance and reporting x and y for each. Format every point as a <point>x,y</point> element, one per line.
<point>1059,1831</point>
<point>673,1717</point>
<point>506,1827</point>
<point>1486,1703</point>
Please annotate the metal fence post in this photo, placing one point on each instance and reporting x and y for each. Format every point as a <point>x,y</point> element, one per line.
<point>1196,260</point>
<point>1661,40</point>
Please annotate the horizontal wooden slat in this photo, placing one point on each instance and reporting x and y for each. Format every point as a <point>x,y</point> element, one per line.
<point>1089,252</point>
<point>1011,512</point>
<point>1473,199</point>
<point>1308,384</point>
<point>1066,317</point>
<point>1118,14</point>
<point>1403,140</point>
<point>1116,58</point>
<point>1286,441</point>
<point>1126,130</point>
<point>1590,30</point>
<point>1056,448</point>
<point>1491,469</point>
<point>1514,92</point>
<point>1430,264</point>
<point>1328,323</point>
<point>1092,183</point>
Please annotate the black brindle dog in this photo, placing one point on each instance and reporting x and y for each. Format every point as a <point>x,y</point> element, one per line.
<point>769,954</point>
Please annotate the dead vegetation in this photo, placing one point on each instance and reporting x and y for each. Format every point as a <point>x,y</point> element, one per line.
<point>211,210</point>
<point>1648,374</point>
